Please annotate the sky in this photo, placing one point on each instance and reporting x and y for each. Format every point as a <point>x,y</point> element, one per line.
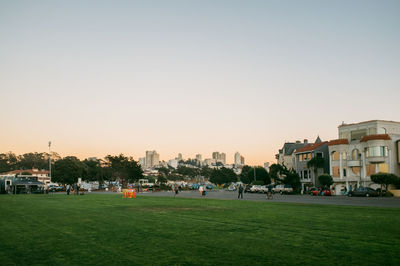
<point>111,77</point>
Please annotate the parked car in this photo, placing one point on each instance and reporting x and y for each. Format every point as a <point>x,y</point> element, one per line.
<point>255,189</point>
<point>314,191</point>
<point>55,188</point>
<point>264,189</point>
<point>326,192</point>
<point>247,189</point>
<point>283,189</point>
<point>363,192</point>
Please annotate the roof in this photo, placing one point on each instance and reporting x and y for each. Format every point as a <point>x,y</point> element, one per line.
<point>30,182</point>
<point>311,147</point>
<point>290,147</point>
<point>369,121</point>
<point>376,137</point>
<point>31,171</point>
<point>338,142</point>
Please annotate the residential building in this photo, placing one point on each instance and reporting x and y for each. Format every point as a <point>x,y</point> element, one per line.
<point>198,158</point>
<point>286,154</point>
<point>309,175</point>
<point>179,158</point>
<point>142,162</point>
<point>266,166</point>
<point>362,150</point>
<point>173,163</point>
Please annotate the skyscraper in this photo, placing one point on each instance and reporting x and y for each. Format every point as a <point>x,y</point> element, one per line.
<point>237,159</point>
<point>152,159</point>
<point>219,157</point>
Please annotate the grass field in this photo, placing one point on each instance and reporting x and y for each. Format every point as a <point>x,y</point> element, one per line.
<point>107,229</point>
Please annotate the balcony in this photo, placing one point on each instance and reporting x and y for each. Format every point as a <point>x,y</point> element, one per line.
<point>376,159</point>
<point>352,163</point>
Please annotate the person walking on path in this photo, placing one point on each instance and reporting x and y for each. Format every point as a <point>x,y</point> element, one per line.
<point>240,190</point>
<point>269,193</point>
<point>68,189</point>
<point>176,189</point>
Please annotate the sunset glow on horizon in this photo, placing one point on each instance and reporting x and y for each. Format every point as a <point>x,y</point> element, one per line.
<point>192,77</point>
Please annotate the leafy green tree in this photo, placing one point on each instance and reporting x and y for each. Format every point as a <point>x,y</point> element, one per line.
<point>94,171</point>
<point>162,180</point>
<point>206,172</point>
<point>246,175</point>
<point>164,171</point>
<point>68,170</point>
<point>316,163</point>
<point>187,171</point>
<point>276,171</point>
<point>384,179</point>
<point>8,162</point>
<point>290,177</point>
<point>325,180</point>
<point>124,168</point>
<point>223,176</point>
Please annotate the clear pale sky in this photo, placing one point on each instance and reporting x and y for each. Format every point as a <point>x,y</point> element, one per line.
<point>110,77</point>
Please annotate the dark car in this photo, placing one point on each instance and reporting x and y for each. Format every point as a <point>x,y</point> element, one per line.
<point>247,189</point>
<point>363,192</point>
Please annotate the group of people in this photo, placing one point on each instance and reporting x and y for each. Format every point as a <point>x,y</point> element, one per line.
<point>75,189</point>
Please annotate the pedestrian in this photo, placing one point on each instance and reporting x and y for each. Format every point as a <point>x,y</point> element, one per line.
<point>269,192</point>
<point>201,190</point>
<point>68,189</point>
<point>240,190</point>
<point>176,190</point>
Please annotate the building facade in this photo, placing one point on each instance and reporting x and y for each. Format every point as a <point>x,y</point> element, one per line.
<point>309,175</point>
<point>361,150</point>
<point>286,154</point>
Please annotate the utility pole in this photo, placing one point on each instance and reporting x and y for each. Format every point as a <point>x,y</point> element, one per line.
<point>50,160</point>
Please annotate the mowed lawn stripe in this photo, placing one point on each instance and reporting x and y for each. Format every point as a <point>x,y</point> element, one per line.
<point>107,229</point>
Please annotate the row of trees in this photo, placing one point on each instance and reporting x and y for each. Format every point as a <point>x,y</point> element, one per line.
<point>69,169</point>
<point>9,161</point>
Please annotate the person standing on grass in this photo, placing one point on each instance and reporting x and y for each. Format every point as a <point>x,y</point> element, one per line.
<point>201,190</point>
<point>68,189</point>
<point>240,190</point>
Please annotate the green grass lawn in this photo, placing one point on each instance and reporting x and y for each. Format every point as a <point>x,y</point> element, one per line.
<point>108,229</point>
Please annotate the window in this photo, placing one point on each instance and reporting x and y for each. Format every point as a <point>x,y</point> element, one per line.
<point>319,155</point>
<point>356,170</point>
<point>381,151</point>
<point>344,155</point>
<point>335,156</point>
<point>370,169</point>
<point>300,157</point>
<point>358,134</point>
<point>355,154</point>
<point>372,131</point>
<point>383,168</point>
<point>335,171</point>
<point>305,174</point>
<point>344,172</point>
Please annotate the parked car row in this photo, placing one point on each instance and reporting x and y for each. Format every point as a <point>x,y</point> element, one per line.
<point>282,189</point>
<point>363,192</point>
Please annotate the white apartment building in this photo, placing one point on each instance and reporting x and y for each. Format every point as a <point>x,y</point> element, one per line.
<point>237,159</point>
<point>363,149</point>
<point>219,157</point>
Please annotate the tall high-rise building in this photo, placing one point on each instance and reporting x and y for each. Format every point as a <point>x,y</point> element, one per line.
<point>142,162</point>
<point>241,160</point>
<point>198,157</point>
<point>179,158</point>
<point>237,159</point>
<point>152,159</point>
<point>219,157</point>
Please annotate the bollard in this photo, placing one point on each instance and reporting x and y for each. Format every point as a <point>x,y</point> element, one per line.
<point>125,193</point>
<point>134,193</point>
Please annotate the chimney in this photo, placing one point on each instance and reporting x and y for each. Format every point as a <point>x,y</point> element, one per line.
<point>305,141</point>
<point>298,141</point>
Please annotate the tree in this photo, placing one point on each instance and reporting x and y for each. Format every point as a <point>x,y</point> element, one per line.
<point>162,180</point>
<point>384,179</point>
<point>325,180</point>
<point>68,170</point>
<point>223,176</point>
<point>8,162</point>
<point>245,175</point>
<point>316,163</point>
<point>254,174</point>
<point>122,167</point>
<point>290,177</point>
<point>93,172</point>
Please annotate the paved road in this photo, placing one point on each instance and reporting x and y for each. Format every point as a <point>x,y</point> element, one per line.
<point>307,199</point>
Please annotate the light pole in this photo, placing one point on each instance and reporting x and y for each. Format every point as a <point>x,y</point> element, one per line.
<point>50,160</point>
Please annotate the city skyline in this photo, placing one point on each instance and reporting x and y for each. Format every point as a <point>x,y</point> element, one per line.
<point>100,78</point>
